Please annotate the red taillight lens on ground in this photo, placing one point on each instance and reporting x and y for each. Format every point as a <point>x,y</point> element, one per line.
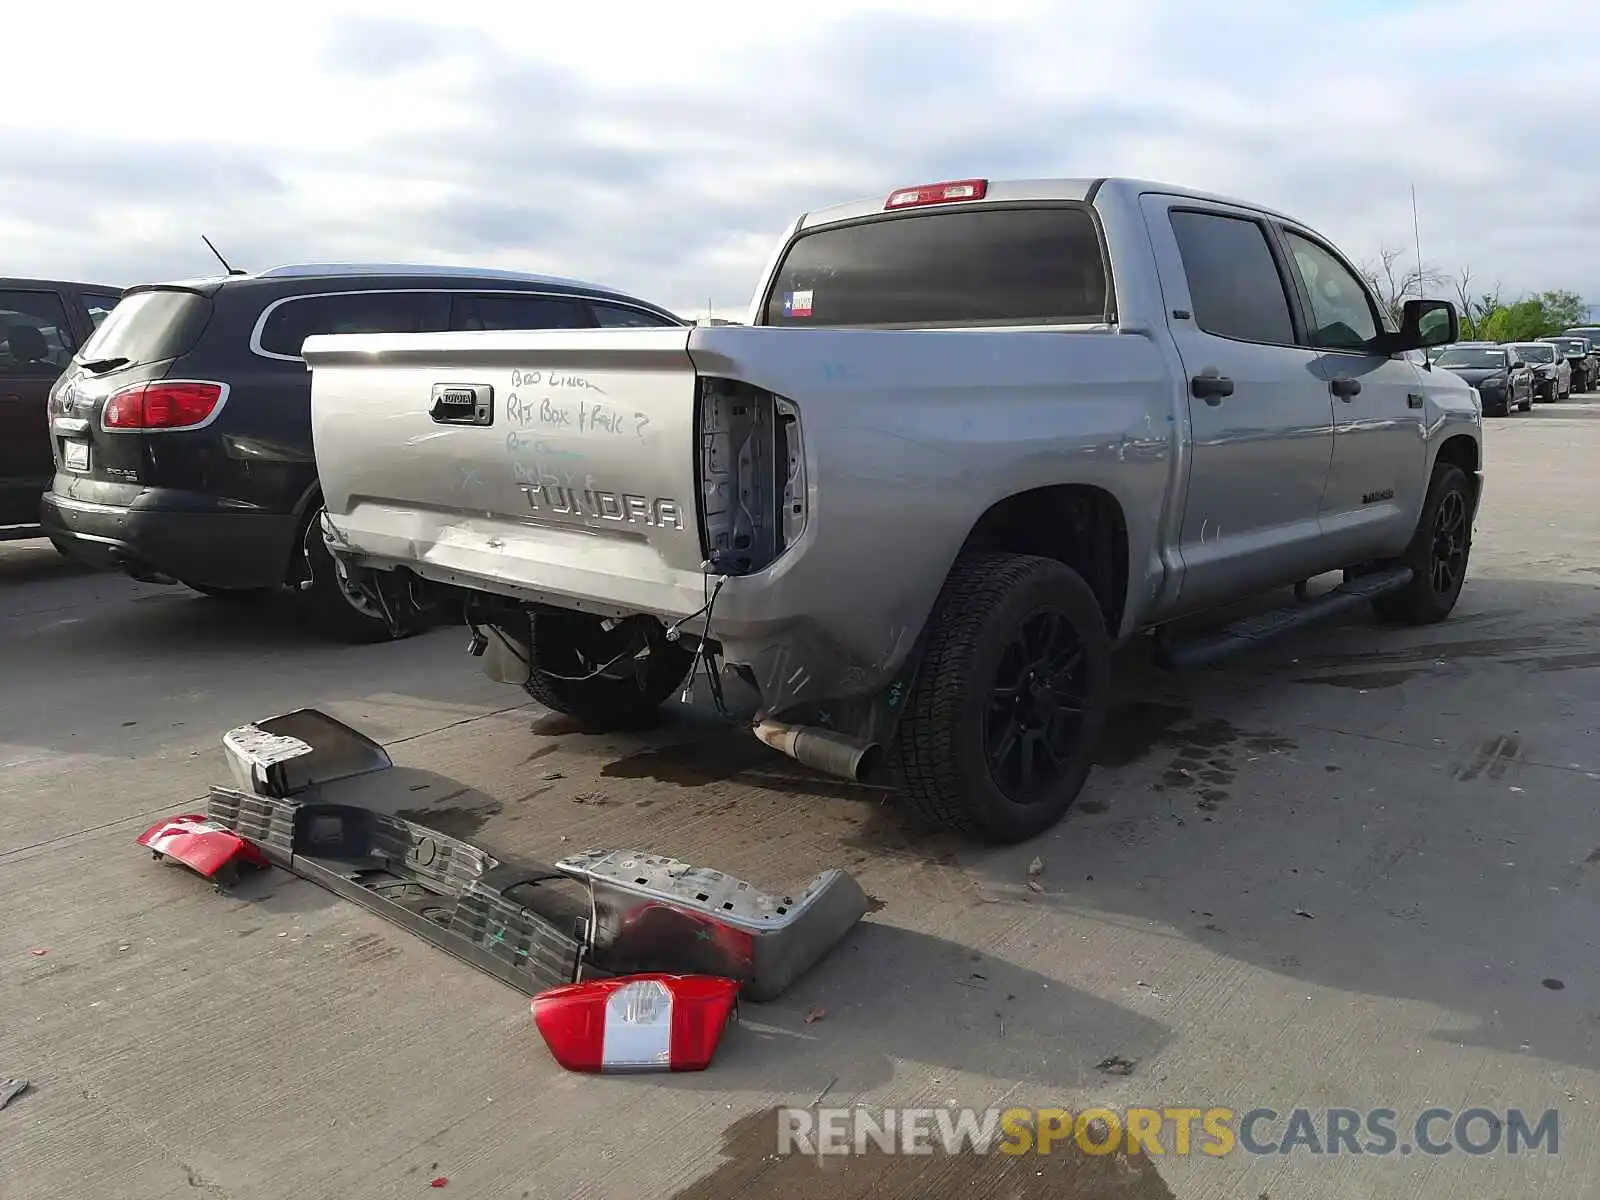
<point>163,404</point>
<point>952,192</point>
<point>636,1022</point>
<point>201,845</point>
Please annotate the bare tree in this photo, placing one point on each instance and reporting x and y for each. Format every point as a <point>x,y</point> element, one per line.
<point>1474,309</point>
<point>1394,281</point>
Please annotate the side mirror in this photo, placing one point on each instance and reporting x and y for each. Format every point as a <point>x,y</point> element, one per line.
<point>1427,323</point>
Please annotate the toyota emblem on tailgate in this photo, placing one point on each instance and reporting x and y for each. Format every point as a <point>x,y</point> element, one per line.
<point>462,404</point>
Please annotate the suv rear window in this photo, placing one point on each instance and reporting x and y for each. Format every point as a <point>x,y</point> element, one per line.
<point>986,266</point>
<point>148,327</point>
<point>289,324</point>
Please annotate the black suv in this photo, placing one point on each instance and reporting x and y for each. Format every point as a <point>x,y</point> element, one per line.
<point>182,430</point>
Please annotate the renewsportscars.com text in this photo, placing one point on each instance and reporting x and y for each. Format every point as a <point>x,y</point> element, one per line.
<point>1171,1130</point>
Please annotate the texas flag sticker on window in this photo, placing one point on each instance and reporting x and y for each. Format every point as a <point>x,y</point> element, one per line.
<point>797,304</point>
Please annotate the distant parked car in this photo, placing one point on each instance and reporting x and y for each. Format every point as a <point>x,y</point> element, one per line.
<point>1580,356</point>
<point>1590,332</point>
<point>1552,372</point>
<point>182,429</point>
<point>42,321</point>
<point>1503,380</point>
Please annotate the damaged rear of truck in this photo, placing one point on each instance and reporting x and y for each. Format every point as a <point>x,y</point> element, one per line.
<point>912,506</point>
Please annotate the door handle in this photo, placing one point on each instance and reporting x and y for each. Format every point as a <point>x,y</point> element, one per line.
<point>1345,388</point>
<point>1210,387</point>
<point>1413,400</point>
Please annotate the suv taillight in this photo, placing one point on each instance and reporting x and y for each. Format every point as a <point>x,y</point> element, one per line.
<point>163,404</point>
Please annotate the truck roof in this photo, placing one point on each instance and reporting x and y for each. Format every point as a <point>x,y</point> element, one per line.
<point>1083,190</point>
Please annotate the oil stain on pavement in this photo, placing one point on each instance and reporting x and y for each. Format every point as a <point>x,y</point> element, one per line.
<point>753,1167</point>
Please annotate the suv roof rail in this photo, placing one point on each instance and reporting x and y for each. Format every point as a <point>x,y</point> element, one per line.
<point>292,270</point>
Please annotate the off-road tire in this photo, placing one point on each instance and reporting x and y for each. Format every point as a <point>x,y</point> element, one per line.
<point>1420,602</point>
<point>939,753</point>
<point>625,700</point>
<point>330,609</point>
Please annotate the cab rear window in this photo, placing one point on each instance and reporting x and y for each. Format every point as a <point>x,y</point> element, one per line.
<point>986,266</point>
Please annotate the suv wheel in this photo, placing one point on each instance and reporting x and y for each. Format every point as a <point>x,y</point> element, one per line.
<point>335,610</point>
<point>999,731</point>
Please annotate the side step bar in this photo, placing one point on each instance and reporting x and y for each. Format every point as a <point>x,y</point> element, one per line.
<point>1253,631</point>
<point>310,795</point>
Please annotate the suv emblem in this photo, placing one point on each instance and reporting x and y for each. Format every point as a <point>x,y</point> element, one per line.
<point>462,404</point>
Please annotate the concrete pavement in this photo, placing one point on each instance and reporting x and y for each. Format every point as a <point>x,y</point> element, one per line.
<point>1358,869</point>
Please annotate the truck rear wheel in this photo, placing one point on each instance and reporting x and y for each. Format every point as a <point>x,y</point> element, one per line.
<point>590,673</point>
<point>998,733</point>
<point>1437,555</point>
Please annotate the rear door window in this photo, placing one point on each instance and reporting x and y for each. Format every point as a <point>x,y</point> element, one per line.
<point>986,266</point>
<point>1234,284</point>
<point>290,322</point>
<point>35,339</point>
<point>97,307</point>
<point>613,316</point>
<point>485,312</point>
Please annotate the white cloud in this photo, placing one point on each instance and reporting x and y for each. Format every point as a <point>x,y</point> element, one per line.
<point>660,147</point>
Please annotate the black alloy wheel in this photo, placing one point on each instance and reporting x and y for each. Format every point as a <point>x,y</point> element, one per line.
<point>1449,560</point>
<point>1034,721</point>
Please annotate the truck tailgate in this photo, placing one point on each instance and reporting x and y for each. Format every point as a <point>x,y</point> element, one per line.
<point>560,461</point>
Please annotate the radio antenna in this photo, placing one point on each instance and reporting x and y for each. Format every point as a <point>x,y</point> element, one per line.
<point>230,270</point>
<point>1416,232</point>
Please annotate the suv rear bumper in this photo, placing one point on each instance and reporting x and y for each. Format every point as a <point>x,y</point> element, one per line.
<point>174,536</point>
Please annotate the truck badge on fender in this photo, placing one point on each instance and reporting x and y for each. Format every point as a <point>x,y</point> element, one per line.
<point>657,512</point>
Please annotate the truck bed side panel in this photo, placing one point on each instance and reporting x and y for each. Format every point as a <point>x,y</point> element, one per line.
<point>910,437</point>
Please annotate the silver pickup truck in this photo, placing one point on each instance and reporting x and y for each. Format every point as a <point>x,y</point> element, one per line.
<point>976,434</point>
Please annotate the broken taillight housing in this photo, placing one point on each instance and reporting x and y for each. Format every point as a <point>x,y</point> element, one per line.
<point>163,405</point>
<point>202,845</point>
<point>636,1022</point>
<point>952,191</point>
<point>753,499</point>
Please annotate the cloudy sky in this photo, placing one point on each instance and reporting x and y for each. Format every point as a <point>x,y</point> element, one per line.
<point>661,146</point>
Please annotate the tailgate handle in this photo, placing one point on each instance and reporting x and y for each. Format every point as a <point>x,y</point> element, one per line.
<point>70,425</point>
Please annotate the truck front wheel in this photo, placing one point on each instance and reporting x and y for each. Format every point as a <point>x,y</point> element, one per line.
<point>596,674</point>
<point>1438,554</point>
<point>999,732</point>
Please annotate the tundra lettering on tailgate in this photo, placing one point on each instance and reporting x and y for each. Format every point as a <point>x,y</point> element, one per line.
<point>659,512</point>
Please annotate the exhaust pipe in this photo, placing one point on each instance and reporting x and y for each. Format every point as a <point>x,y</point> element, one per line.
<point>823,750</point>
